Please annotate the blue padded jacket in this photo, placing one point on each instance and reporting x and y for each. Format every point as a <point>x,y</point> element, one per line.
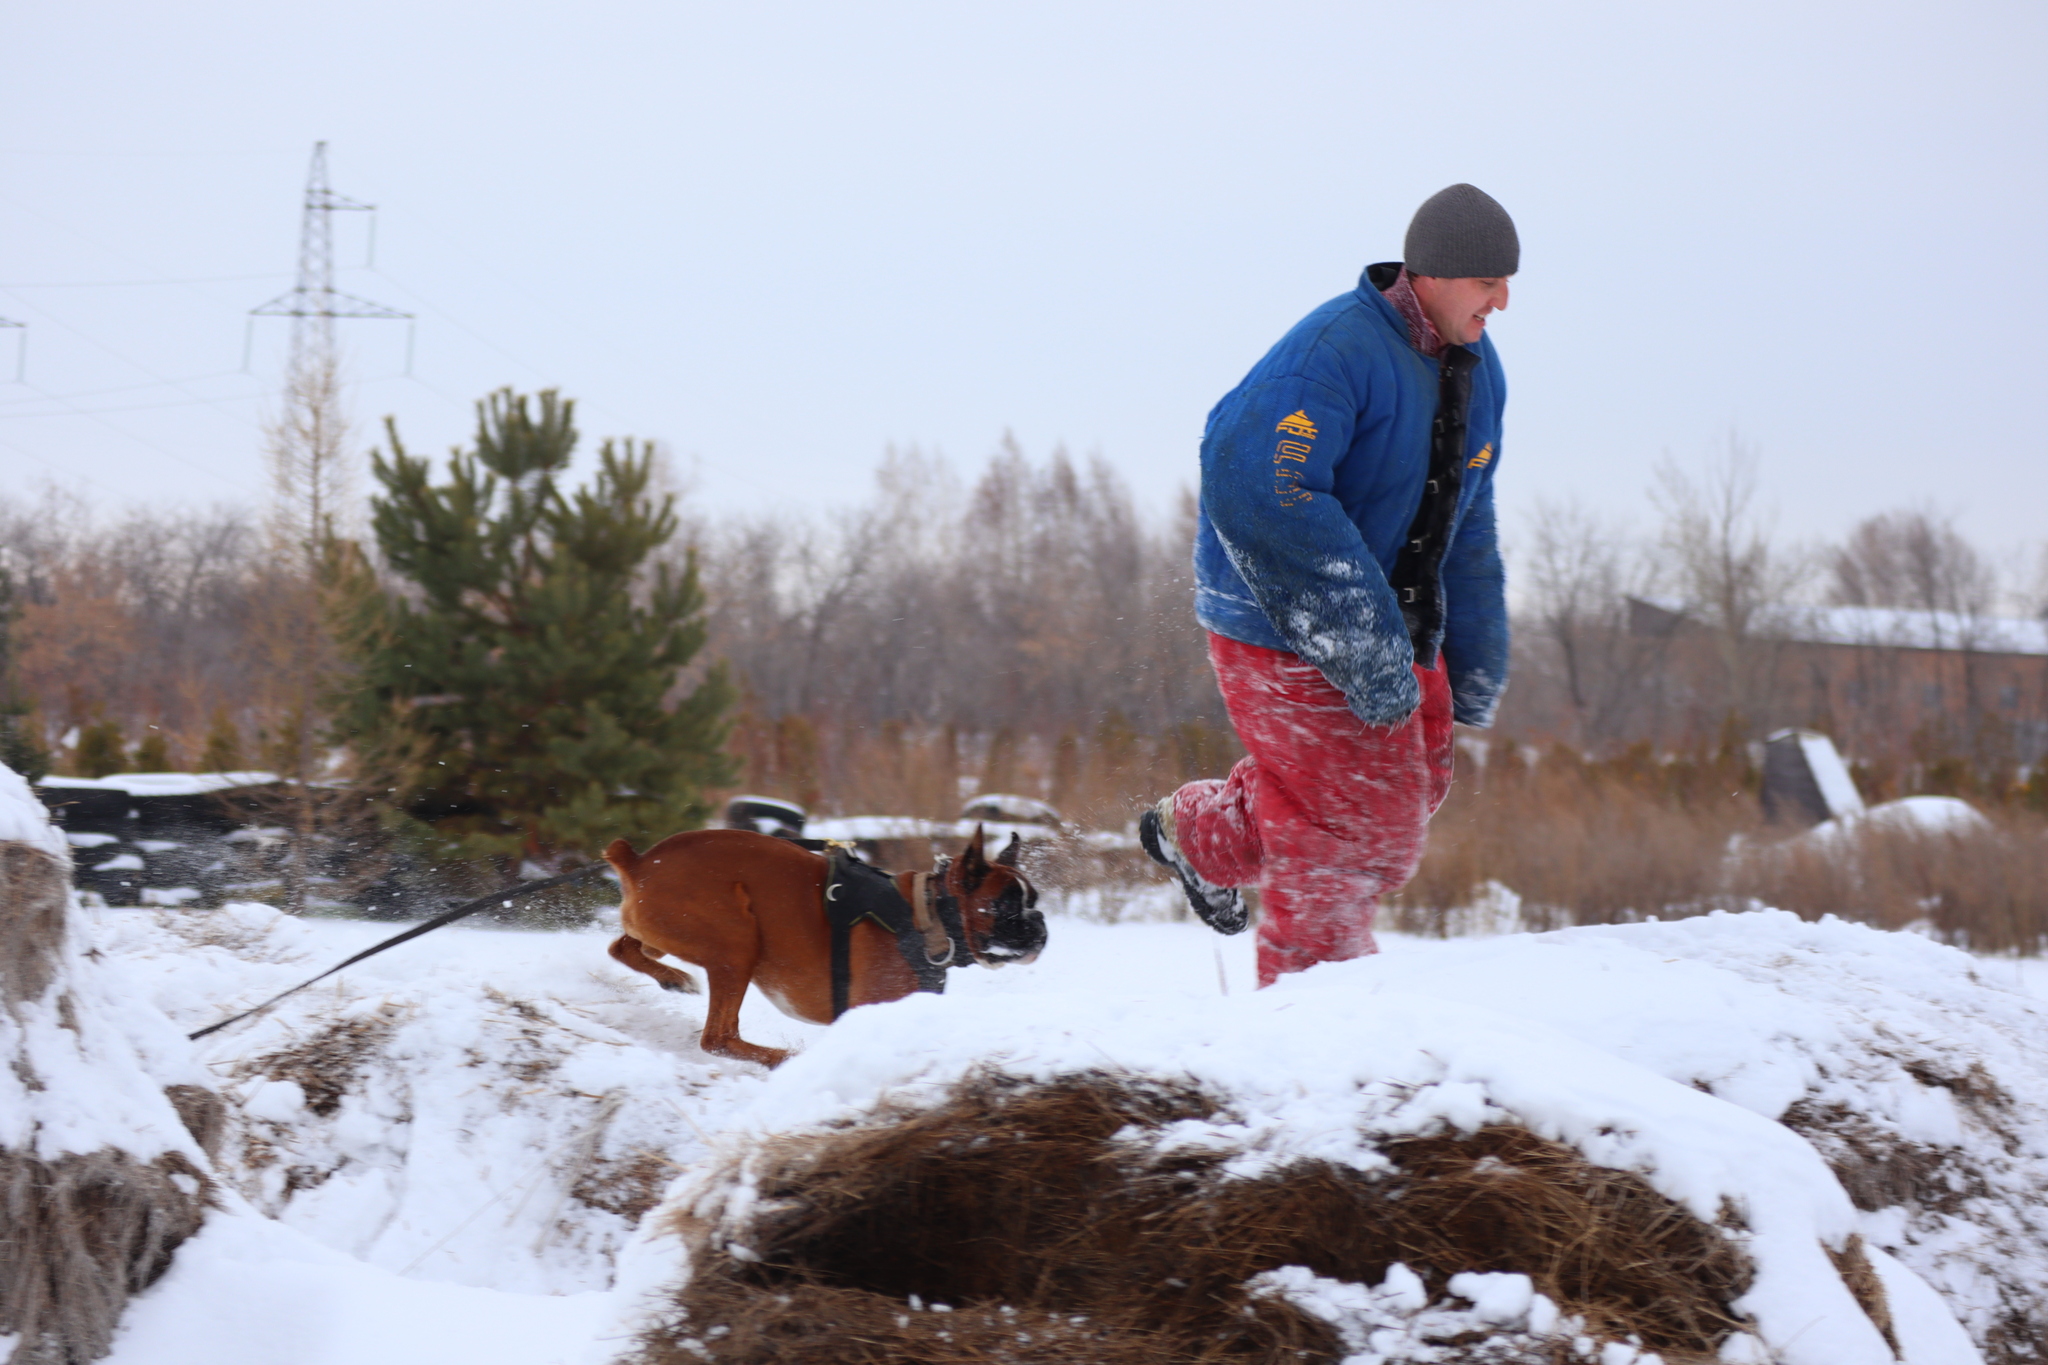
<point>1312,470</point>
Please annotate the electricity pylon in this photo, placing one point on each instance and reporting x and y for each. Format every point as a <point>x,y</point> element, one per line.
<point>314,303</point>
<point>307,438</point>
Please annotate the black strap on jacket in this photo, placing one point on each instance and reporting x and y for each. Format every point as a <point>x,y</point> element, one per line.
<point>1417,579</point>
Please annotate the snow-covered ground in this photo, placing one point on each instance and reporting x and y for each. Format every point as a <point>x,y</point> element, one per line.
<point>431,1215</point>
<point>442,1154</point>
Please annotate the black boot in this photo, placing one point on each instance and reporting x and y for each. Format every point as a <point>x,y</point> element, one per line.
<point>1220,907</point>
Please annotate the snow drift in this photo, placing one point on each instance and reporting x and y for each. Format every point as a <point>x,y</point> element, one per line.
<point>1858,1120</point>
<point>1836,1138</point>
<point>101,1175</point>
<point>445,1114</point>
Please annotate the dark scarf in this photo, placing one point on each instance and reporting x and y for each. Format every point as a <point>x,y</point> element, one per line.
<point>1421,334</point>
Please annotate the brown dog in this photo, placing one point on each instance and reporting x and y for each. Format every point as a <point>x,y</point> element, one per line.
<point>750,908</point>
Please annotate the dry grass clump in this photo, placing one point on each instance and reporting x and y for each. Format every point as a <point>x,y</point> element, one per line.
<point>629,1186</point>
<point>1864,1284</point>
<point>81,1234</point>
<point>1052,1240</point>
<point>1882,1170</point>
<point>204,1114</point>
<point>1576,854</point>
<point>1603,843</point>
<point>327,1065</point>
<point>1984,888</point>
<point>35,890</point>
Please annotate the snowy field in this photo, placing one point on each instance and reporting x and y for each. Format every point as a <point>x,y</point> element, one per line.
<point>439,1232</point>
<point>443,1154</point>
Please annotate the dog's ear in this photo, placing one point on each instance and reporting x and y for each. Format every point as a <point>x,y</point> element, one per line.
<point>1008,857</point>
<point>972,864</point>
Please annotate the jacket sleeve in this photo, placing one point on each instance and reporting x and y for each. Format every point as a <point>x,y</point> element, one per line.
<point>1268,464</point>
<point>1476,615</point>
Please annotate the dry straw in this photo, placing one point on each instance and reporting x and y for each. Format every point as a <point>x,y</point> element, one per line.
<point>81,1233</point>
<point>1632,839</point>
<point>1049,1239</point>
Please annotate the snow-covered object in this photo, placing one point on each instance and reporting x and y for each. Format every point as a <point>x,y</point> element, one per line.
<point>85,1120</point>
<point>87,1062</point>
<point>1907,815</point>
<point>1017,810</point>
<point>1804,775</point>
<point>250,1291</point>
<point>1702,1055</point>
<point>1831,774</point>
<point>860,828</point>
<point>165,784</point>
<point>1887,627</point>
<point>23,819</point>
<point>1395,1320</point>
<point>766,815</point>
<point>473,1113</point>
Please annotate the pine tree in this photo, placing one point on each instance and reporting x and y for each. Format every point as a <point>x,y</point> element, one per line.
<point>21,748</point>
<point>223,753</point>
<point>522,683</point>
<point>153,754</point>
<point>102,751</point>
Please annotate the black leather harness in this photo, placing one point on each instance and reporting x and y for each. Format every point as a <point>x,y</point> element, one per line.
<point>855,891</point>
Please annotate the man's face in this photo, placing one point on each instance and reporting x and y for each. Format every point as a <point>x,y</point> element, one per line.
<point>1457,308</point>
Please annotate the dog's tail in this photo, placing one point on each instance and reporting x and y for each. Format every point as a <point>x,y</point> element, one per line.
<point>621,856</point>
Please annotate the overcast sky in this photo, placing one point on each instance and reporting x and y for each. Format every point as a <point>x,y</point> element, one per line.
<point>782,237</point>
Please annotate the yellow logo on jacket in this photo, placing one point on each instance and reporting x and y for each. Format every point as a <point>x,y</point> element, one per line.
<point>1295,450</point>
<point>1480,460</point>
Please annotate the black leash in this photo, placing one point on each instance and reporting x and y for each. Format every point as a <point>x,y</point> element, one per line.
<point>424,926</point>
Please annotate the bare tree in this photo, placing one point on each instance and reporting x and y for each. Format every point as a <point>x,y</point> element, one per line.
<point>312,475</point>
<point>1913,559</point>
<point>1030,629</point>
<point>1580,575</point>
<point>143,623</point>
<point>1717,540</point>
<point>311,480</point>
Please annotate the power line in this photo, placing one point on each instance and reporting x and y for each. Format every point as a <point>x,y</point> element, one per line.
<point>20,349</point>
<point>75,411</point>
<point>41,397</point>
<point>126,360</point>
<point>144,441</point>
<point>596,407</point>
<point>127,284</point>
<point>132,388</point>
<point>592,407</point>
<point>25,453</point>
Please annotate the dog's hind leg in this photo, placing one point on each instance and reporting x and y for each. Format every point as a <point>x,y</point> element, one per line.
<point>633,953</point>
<point>728,978</point>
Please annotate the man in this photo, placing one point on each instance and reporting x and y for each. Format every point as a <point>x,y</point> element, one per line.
<point>1347,573</point>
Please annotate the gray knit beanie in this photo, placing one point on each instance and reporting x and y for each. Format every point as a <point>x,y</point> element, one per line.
<point>1461,231</point>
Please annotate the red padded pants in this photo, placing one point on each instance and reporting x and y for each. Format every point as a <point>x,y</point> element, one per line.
<point>1324,814</point>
